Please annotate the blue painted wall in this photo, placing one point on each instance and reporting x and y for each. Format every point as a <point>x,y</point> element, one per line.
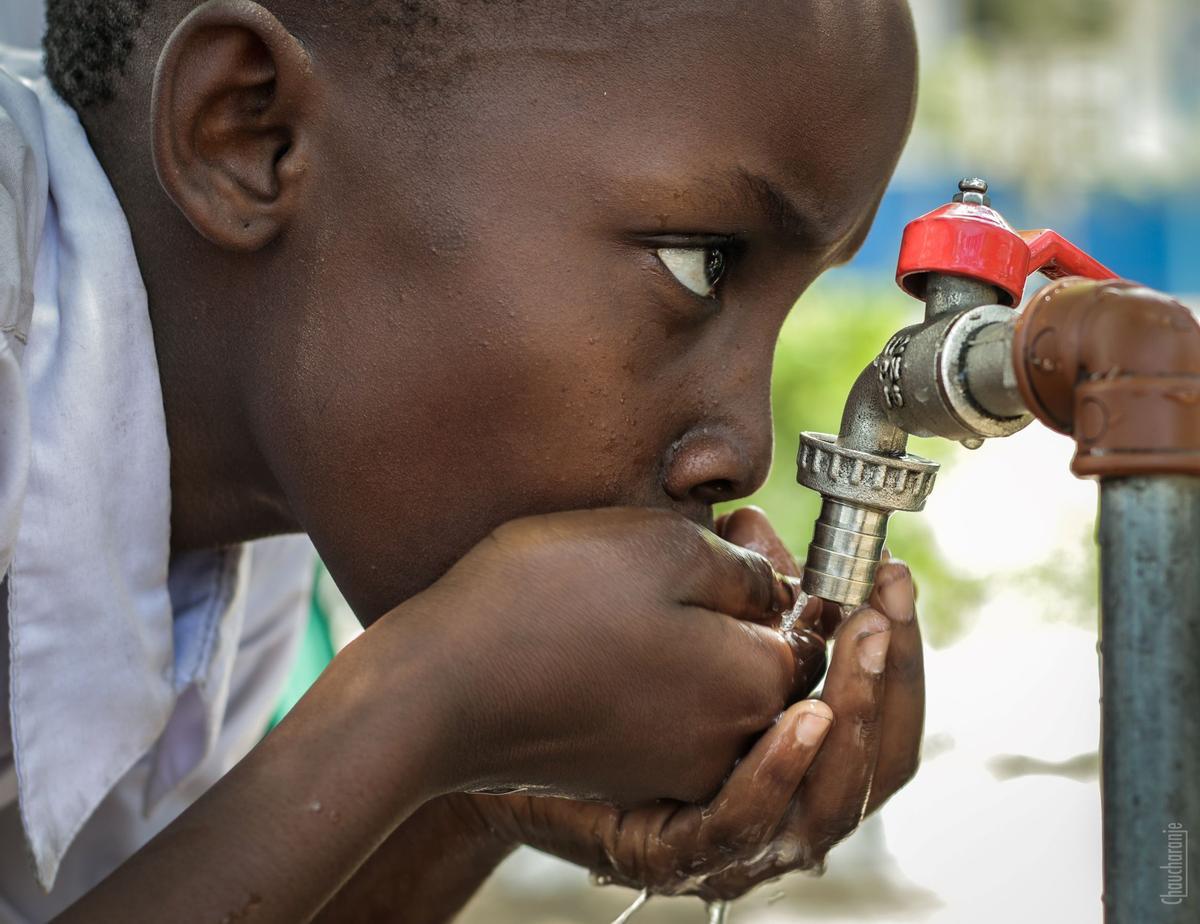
<point>1153,239</point>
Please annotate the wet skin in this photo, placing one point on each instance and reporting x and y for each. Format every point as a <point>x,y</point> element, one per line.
<point>436,311</point>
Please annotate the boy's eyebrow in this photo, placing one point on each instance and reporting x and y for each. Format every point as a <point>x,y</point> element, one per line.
<point>789,217</point>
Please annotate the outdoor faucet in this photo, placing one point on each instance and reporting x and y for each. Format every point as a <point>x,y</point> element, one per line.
<point>1115,366</point>
<point>950,375</point>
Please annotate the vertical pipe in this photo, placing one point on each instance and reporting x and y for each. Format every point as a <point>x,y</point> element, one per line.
<point>1150,667</point>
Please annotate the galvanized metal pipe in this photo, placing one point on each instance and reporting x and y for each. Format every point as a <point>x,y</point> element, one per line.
<point>1149,536</point>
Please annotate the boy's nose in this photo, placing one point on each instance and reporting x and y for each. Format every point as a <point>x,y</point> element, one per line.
<point>711,466</point>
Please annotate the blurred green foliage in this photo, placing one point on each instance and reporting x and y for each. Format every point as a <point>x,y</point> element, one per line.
<point>1041,20</point>
<point>831,335</point>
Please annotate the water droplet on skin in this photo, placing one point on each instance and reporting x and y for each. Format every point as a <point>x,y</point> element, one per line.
<point>314,806</point>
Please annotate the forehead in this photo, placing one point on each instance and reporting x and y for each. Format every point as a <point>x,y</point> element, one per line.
<point>544,102</point>
<point>814,94</point>
<point>807,82</point>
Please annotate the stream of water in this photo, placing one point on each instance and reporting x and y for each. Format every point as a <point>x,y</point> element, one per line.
<point>642,898</point>
<point>718,912</point>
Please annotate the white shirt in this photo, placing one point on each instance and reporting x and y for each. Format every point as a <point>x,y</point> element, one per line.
<point>133,680</point>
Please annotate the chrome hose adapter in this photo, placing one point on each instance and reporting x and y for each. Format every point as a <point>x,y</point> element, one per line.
<point>859,491</point>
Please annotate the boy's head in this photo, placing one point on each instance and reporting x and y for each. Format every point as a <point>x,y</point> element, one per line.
<point>417,268</point>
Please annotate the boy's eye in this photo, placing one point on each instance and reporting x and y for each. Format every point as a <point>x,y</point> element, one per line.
<point>697,268</point>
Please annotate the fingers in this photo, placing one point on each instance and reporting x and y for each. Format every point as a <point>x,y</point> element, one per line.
<point>826,616</point>
<point>770,669</point>
<point>750,528</point>
<point>755,799</point>
<point>888,711</point>
<point>838,785</point>
<point>903,711</point>
<point>809,654</point>
<point>737,581</point>
<point>669,847</point>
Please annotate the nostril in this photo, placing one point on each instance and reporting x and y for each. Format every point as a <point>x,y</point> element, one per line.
<point>703,466</point>
<point>715,491</point>
<point>713,466</point>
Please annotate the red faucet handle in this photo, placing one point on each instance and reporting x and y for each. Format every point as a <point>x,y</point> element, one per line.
<point>1055,257</point>
<point>967,237</point>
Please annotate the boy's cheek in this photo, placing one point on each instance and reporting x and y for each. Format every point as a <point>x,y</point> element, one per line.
<point>414,484</point>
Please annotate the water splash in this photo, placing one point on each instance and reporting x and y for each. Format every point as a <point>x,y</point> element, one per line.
<point>791,616</point>
<point>643,897</point>
<point>718,912</point>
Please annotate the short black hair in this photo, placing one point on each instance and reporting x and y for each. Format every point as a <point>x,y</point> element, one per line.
<point>87,45</point>
<point>88,42</point>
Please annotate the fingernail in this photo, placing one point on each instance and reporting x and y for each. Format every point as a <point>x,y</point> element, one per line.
<point>872,651</point>
<point>812,727</point>
<point>896,594</point>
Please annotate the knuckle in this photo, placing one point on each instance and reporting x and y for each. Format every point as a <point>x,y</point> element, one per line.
<point>776,777</point>
<point>769,648</point>
<point>514,535</point>
<point>909,670</point>
<point>733,841</point>
<point>828,831</point>
<point>760,706</point>
<point>861,718</point>
<point>869,621</point>
<point>760,574</point>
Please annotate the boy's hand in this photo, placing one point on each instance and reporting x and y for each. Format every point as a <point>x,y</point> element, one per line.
<point>804,786</point>
<point>622,655</point>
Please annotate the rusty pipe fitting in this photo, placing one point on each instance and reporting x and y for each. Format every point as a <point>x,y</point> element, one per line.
<point>1116,366</point>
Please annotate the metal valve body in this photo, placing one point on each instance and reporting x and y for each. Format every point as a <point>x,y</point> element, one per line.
<point>949,376</point>
<point>1116,367</point>
<point>952,375</point>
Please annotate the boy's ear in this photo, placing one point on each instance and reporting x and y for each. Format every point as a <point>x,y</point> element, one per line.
<point>232,122</point>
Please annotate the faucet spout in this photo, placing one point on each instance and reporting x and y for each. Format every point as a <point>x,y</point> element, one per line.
<point>935,378</point>
<point>867,424</point>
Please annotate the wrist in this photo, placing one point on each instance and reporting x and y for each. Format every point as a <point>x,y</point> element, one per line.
<point>425,871</point>
<point>406,675</point>
<point>478,820</point>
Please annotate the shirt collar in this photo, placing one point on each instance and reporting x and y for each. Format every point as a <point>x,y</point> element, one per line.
<point>102,671</point>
